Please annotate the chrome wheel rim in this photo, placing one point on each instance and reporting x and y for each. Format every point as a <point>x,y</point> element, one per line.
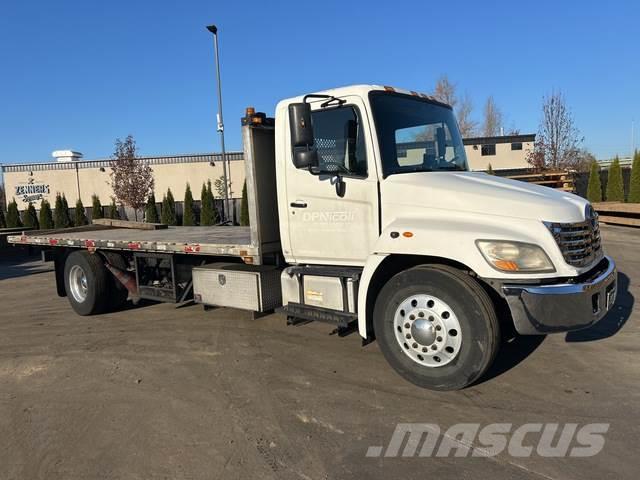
<point>427,330</point>
<point>78,284</point>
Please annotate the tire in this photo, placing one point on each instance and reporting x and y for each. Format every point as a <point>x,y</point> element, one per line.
<point>437,327</point>
<point>87,282</point>
<point>119,293</point>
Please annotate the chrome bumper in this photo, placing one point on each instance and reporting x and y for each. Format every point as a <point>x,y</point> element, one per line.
<point>539,309</point>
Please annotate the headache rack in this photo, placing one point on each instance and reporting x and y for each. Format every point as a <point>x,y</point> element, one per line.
<point>579,242</point>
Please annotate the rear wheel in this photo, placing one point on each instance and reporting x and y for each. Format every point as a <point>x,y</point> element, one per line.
<point>437,327</point>
<point>87,283</point>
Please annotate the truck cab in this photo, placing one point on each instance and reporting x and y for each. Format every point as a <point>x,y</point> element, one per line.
<point>376,178</point>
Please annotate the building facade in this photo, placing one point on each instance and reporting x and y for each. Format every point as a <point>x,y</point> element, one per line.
<point>506,152</point>
<point>76,178</point>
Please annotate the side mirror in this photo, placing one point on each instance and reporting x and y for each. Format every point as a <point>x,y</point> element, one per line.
<point>303,158</point>
<point>300,121</point>
<point>304,153</point>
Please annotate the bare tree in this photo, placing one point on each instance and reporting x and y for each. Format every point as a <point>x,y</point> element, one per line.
<point>492,119</point>
<point>218,184</point>
<point>466,125</point>
<point>585,159</point>
<point>445,91</point>
<point>558,143</point>
<point>131,178</point>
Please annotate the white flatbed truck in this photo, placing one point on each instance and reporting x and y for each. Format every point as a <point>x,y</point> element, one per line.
<point>364,215</point>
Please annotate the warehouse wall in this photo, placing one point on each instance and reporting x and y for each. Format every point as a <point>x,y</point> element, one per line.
<point>504,158</point>
<point>33,182</point>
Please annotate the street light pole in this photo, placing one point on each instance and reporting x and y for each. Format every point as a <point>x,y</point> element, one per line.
<point>213,29</point>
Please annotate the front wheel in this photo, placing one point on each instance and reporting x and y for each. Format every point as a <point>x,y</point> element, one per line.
<point>437,327</point>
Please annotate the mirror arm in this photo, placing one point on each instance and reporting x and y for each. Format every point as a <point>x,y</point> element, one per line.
<point>314,95</point>
<point>330,99</point>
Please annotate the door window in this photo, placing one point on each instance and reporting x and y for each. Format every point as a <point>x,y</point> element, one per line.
<point>339,140</point>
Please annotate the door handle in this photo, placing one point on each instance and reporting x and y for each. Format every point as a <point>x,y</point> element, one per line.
<point>299,204</point>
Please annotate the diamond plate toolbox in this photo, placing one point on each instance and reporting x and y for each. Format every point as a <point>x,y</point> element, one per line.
<point>247,287</point>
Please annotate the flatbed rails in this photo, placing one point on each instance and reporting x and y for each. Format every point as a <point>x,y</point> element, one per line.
<point>214,241</point>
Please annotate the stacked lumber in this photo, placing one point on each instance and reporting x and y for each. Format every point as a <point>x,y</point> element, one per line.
<point>618,213</point>
<point>560,180</point>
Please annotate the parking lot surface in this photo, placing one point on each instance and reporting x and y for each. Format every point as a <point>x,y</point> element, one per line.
<point>179,393</point>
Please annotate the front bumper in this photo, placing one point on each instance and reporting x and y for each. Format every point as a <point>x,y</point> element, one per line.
<point>540,309</point>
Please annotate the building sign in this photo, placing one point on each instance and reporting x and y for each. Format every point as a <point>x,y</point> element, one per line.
<point>31,191</point>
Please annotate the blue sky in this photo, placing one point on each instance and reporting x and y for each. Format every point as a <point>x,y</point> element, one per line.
<point>78,74</point>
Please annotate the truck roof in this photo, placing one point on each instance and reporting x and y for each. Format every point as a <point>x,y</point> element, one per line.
<point>361,90</point>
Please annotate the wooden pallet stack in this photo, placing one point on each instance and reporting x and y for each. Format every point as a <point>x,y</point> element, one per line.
<point>618,213</point>
<point>560,180</point>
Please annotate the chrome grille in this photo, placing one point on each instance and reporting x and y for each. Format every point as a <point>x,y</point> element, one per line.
<point>579,242</point>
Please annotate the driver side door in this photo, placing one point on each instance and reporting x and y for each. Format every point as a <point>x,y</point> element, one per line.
<point>325,228</point>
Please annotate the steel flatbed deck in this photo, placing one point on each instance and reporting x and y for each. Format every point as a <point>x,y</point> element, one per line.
<point>215,241</point>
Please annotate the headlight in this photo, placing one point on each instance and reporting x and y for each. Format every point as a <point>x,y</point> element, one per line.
<point>515,256</point>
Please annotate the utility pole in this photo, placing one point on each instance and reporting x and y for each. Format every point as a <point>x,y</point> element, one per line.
<point>213,29</point>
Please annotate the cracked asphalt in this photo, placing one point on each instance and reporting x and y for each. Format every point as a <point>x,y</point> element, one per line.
<point>159,392</point>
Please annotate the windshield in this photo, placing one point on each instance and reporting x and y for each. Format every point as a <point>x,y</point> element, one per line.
<point>416,135</point>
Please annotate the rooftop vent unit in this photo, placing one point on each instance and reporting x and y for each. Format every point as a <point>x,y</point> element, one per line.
<point>66,155</point>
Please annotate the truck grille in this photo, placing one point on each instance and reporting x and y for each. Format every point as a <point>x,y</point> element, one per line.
<point>579,242</point>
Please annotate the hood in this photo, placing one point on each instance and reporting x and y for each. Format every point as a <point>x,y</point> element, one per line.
<point>477,192</point>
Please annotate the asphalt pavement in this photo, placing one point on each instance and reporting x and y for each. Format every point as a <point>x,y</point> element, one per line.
<point>158,391</point>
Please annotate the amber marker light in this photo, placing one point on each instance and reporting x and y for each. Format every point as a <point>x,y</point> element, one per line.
<point>506,265</point>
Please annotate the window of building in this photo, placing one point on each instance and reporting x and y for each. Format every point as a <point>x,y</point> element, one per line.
<point>516,146</point>
<point>488,150</point>
<point>415,145</point>
<point>339,140</point>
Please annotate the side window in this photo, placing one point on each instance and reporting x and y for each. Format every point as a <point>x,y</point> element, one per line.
<point>339,140</point>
